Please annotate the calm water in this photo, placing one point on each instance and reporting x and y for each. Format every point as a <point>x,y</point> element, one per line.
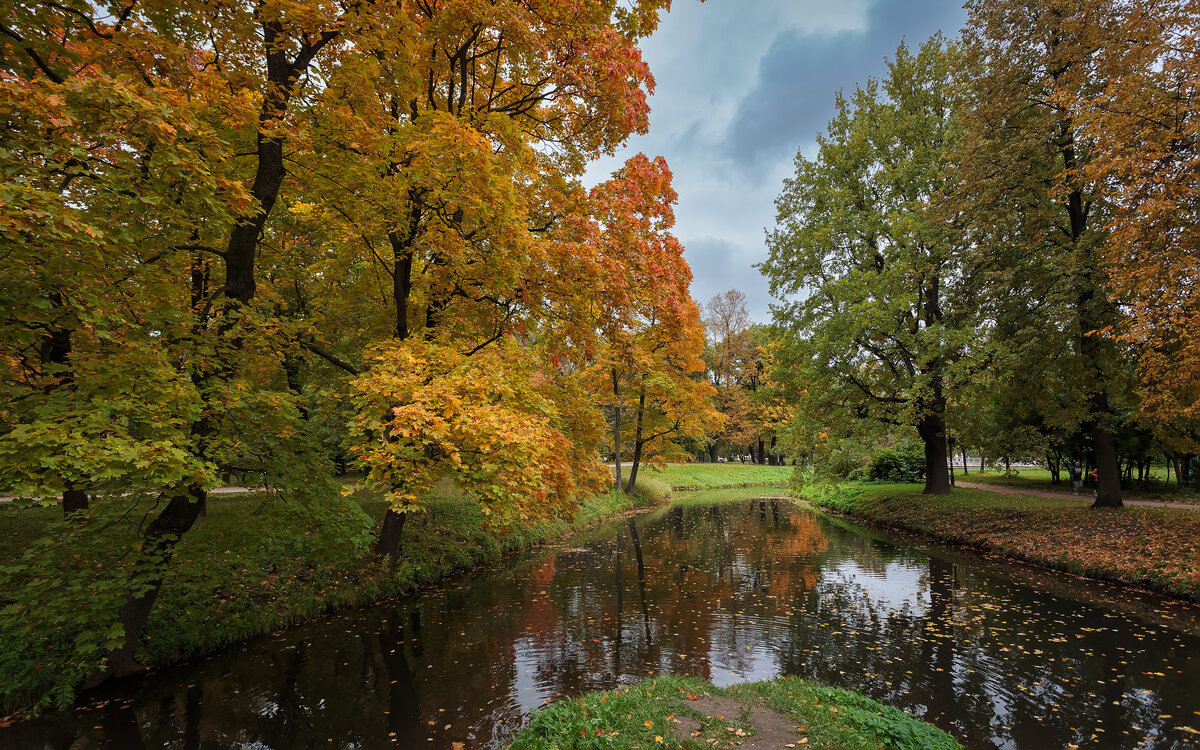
<point>1001,656</point>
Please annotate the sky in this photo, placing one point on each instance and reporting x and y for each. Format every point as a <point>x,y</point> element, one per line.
<point>742,85</point>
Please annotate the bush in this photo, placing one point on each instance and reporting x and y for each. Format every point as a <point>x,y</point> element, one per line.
<point>652,489</point>
<point>905,463</point>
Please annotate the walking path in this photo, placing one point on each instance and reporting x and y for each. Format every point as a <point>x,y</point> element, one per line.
<point>1068,496</point>
<point>213,491</point>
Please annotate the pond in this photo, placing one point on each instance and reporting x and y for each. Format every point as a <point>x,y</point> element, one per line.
<point>999,654</point>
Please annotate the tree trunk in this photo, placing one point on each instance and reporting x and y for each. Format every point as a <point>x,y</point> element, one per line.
<point>932,430</point>
<point>712,452</point>
<point>150,569</point>
<point>964,455</point>
<point>74,499</point>
<point>616,427</point>
<point>388,543</point>
<point>1108,478</point>
<point>762,450</point>
<point>637,442</point>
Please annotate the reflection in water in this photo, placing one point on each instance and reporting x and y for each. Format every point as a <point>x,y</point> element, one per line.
<point>999,655</point>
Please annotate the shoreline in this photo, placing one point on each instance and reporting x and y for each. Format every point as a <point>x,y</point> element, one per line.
<point>1003,530</point>
<point>187,624</point>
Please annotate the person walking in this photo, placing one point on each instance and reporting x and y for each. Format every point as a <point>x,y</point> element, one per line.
<point>1095,477</point>
<point>1076,473</point>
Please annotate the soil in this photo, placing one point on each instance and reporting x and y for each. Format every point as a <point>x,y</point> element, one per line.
<point>770,730</point>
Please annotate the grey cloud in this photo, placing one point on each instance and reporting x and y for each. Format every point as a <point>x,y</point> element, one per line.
<point>792,99</point>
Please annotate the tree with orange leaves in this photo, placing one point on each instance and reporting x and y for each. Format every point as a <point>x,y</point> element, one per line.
<point>649,327</point>
<point>1144,122</point>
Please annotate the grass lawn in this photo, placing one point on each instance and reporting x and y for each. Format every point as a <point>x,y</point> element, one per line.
<point>716,476</point>
<point>1154,548</point>
<point>253,565</point>
<point>672,712</point>
<point>1040,479</point>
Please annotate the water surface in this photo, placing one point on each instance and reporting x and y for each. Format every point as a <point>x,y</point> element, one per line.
<point>1001,655</point>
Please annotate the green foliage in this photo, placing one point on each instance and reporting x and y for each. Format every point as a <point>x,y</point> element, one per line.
<point>642,716</point>
<point>876,317</point>
<point>904,463</point>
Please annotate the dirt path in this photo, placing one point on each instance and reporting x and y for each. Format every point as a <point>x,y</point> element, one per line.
<point>1082,497</point>
<point>213,491</point>
<point>769,729</point>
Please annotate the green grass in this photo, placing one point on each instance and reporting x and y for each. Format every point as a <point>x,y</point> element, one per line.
<point>643,716</point>
<point>717,476</point>
<point>253,565</point>
<point>1040,479</point>
<point>1147,547</point>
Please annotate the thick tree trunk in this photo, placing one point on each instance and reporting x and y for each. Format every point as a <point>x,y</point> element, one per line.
<point>932,430</point>
<point>1108,478</point>
<point>638,443</point>
<point>388,543</point>
<point>74,499</point>
<point>712,452</point>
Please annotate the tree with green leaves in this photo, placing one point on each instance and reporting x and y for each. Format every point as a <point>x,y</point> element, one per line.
<point>872,309</point>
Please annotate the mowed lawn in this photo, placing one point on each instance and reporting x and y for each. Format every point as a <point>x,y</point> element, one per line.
<point>715,476</point>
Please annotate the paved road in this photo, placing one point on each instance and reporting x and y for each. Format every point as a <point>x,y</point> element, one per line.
<point>1085,497</point>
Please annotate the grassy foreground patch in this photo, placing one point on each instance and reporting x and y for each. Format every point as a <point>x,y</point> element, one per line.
<point>1154,548</point>
<point>716,476</point>
<point>650,714</point>
<point>253,565</point>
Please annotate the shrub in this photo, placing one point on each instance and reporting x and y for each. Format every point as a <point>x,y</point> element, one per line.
<point>904,463</point>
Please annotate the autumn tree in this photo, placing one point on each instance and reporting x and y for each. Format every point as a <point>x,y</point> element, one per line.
<point>1142,122</point>
<point>650,336</point>
<point>869,278</point>
<point>1037,226</point>
<point>731,365</point>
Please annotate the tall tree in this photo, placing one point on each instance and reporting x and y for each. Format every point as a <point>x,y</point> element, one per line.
<point>649,327</point>
<point>868,277</point>
<point>1144,123</point>
<point>1037,226</point>
<point>731,362</point>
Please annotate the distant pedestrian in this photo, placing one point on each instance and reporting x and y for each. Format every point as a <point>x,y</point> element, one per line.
<point>1095,476</point>
<point>1076,478</point>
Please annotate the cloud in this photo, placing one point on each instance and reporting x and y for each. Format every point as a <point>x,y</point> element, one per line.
<point>793,95</point>
<point>728,265</point>
<point>743,84</point>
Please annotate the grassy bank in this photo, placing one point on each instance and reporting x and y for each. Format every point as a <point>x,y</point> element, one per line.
<point>1152,548</point>
<point>688,713</point>
<point>714,476</point>
<point>1157,488</point>
<point>253,565</point>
